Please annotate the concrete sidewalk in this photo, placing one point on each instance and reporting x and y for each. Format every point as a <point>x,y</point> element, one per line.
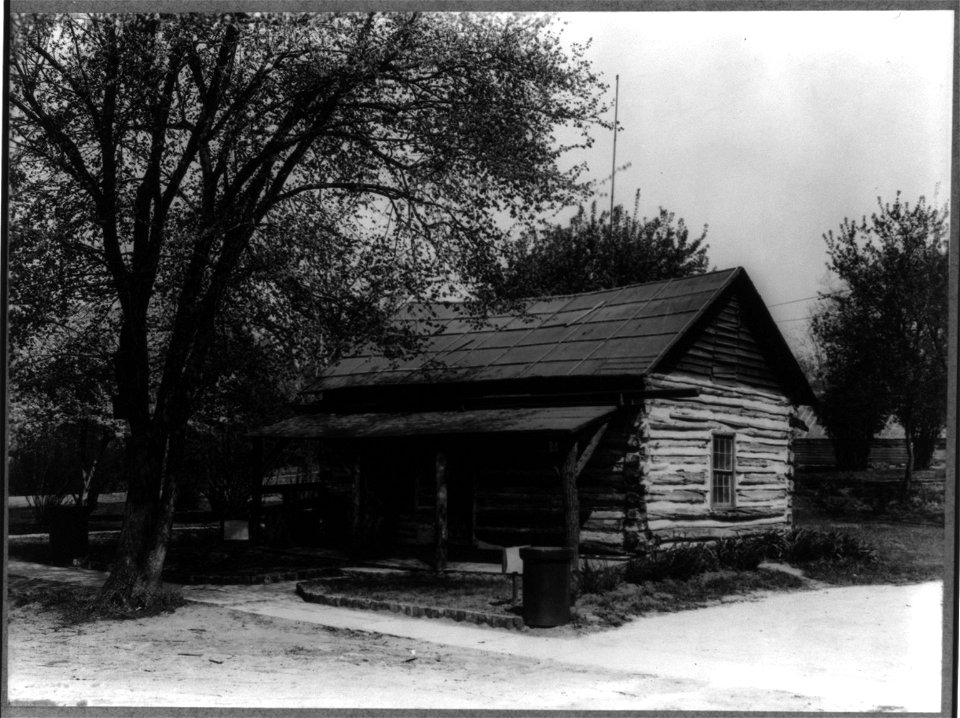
<point>861,648</point>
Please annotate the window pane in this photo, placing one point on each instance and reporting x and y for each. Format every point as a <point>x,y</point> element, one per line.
<point>723,453</point>
<point>722,483</point>
<point>722,488</point>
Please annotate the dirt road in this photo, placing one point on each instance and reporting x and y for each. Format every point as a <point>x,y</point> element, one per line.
<point>865,648</point>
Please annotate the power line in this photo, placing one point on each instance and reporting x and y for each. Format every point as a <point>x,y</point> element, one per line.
<point>792,301</point>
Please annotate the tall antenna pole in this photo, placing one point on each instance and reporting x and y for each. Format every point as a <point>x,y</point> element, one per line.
<point>613,171</point>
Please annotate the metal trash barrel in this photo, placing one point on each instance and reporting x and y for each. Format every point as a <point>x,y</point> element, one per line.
<point>546,585</point>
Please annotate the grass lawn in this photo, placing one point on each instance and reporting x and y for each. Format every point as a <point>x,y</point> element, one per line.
<point>618,605</point>
<point>488,593</point>
<point>193,556</point>
<point>907,552</point>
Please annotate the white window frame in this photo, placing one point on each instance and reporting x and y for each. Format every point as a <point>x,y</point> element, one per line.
<point>729,472</point>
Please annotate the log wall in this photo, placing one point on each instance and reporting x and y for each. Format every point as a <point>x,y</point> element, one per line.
<point>676,459</point>
<point>727,350</point>
<point>648,480</point>
<point>518,498</point>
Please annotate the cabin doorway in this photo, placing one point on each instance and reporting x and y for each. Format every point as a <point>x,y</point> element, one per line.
<point>461,503</point>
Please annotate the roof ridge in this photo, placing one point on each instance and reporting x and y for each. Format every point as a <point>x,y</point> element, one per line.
<point>541,297</point>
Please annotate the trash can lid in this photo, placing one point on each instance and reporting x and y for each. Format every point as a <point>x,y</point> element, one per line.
<point>546,553</point>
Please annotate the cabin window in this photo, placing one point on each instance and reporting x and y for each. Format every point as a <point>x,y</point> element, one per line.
<point>723,471</point>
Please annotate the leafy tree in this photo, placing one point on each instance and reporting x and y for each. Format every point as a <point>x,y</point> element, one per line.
<point>846,378</point>
<point>884,333</point>
<point>591,254</point>
<point>197,162</point>
<point>60,396</point>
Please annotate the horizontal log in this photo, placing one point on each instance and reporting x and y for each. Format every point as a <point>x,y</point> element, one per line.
<point>749,464</point>
<point>711,427</point>
<point>663,450</point>
<point>671,432</point>
<point>670,477</point>
<point>675,463</point>
<point>676,509</point>
<point>603,526</point>
<point>543,490</point>
<point>678,381</point>
<point>761,481</point>
<point>614,540</point>
<point>740,422</point>
<point>613,503</point>
<point>531,511</point>
<point>739,403</point>
<point>672,495</point>
<point>518,530</point>
<point>753,453</point>
<point>660,524</point>
<point>668,538</point>
<point>758,498</point>
<point>731,399</point>
<point>605,515</point>
<point>664,407</point>
<point>755,490</point>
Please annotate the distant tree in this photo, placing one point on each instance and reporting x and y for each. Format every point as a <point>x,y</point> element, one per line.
<point>589,253</point>
<point>61,416</point>
<point>884,332</point>
<point>847,380</point>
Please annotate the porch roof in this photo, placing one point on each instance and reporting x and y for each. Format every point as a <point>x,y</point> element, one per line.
<point>540,420</point>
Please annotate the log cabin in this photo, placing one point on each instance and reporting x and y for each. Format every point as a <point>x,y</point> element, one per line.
<point>609,422</point>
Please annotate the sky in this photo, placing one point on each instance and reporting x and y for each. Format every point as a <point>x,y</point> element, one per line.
<point>772,127</point>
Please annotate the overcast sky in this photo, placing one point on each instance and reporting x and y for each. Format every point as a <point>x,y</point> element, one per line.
<point>772,127</point>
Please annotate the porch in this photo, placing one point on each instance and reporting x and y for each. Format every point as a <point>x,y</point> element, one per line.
<point>435,486</point>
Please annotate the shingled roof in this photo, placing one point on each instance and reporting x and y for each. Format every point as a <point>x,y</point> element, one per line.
<point>628,331</point>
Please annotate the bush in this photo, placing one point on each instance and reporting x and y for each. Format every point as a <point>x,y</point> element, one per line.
<point>678,562</point>
<point>599,577</point>
<point>740,554</point>
<point>807,545</point>
<point>684,561</point>
<point>801,545</point>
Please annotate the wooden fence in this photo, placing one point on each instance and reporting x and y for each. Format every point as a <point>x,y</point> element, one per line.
<point>818,453</point>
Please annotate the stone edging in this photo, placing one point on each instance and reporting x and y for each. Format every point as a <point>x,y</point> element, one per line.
<point>246,579</point>
<point>410,609</point>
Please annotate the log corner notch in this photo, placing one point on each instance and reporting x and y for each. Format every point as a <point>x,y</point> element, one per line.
<point>573,463</point>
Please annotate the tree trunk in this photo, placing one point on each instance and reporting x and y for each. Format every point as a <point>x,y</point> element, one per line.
<point>135,576</point>
<point>925,440</point>
<point>908,469</point>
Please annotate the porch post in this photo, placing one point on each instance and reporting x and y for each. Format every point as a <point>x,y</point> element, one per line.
<point>440,530</point>
<point>256,490</point>
<point>357,491</point>
<point>571,504</point>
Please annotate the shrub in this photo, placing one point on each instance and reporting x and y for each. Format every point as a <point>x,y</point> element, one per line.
<point>807,545</point>
<point>802,545</point>
<point>678,562</point>
<point>770,544</point>
<point>599,577</point>
<point>740,554</point>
